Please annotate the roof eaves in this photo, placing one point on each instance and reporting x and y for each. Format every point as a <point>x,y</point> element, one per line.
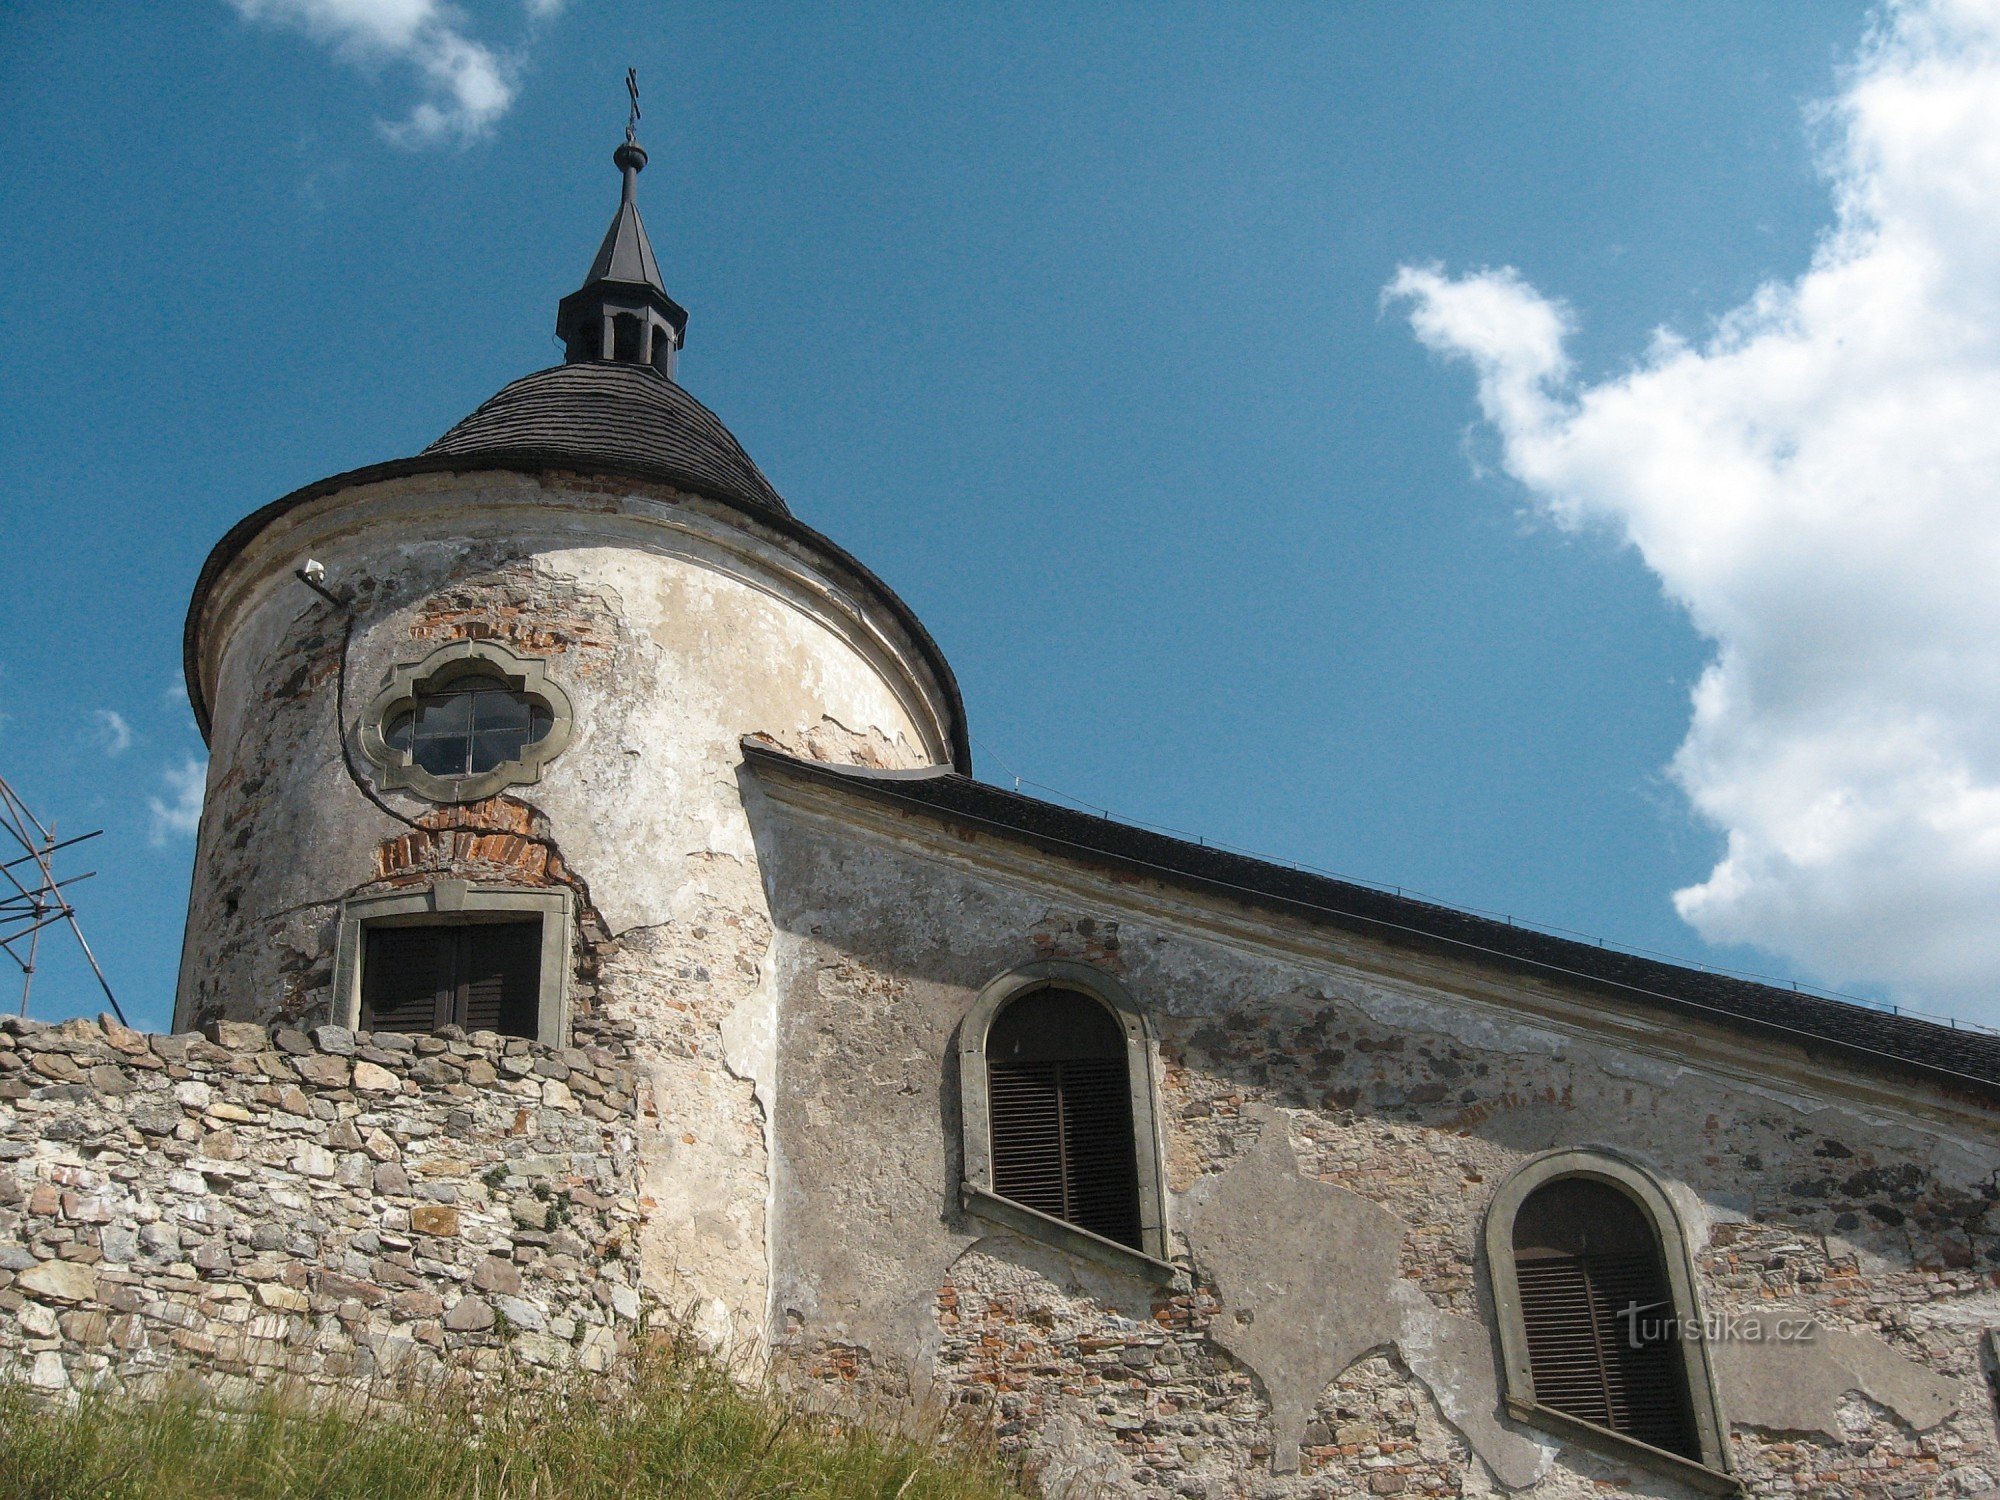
<point>1958,1062</point>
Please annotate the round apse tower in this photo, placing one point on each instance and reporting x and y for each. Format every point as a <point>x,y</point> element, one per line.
<point>475,720</point>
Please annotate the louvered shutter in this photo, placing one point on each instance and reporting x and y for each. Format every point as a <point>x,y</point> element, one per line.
<point>1024,1103</point>
<point>1059,1108</point>
<point>406,978</point>
<point>501,977</point>
<point>479,975</point>
<point>1585,1258</point>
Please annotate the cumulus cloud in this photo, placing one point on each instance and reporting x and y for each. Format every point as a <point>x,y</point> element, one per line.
<point>112,733</point>
<point>1816,482</point>
<point>178,815</point>
<point>469,84</point>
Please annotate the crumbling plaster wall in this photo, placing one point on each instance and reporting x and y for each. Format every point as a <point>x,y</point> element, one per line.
<point>1333,1130</point>
<point>675,627</point>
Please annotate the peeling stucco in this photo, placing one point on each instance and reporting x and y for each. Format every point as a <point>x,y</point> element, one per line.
<point>1784,1370</point>
<point>1307,1275</point>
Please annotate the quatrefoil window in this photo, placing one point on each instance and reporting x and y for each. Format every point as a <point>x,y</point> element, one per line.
<point>467,721</point>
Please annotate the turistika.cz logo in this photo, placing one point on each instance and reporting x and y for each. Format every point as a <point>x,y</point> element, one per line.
<point>1642,1330</point>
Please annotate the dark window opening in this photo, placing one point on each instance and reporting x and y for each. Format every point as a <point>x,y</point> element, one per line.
<point>663,350</point>
<point>468,727</point>
<point>1602,1330</point>
<point>1059,1104</point>
<point>484,976</point>
<point>625,332</point>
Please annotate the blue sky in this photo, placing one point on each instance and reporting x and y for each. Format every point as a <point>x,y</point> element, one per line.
<point>1069,320</point>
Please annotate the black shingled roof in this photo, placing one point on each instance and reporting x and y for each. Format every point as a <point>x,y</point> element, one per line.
<point>627,416</point>
<point>1963,1062</point>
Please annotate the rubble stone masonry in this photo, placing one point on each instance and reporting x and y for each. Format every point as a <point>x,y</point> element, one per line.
<point>327,1205</point>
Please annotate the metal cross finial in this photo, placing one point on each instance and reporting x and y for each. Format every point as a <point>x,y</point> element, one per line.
<point>632,88</point>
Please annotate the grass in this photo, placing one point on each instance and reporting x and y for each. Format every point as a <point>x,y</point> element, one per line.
<point>680,1427</point>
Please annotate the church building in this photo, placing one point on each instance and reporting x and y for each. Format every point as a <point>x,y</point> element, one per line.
<point>1193,1174</point>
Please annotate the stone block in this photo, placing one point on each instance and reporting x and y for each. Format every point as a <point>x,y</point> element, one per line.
<point>121,1036</point>
<point>436,1219</point>
<point>322,1071</point>
<point>56,1067</point>
<point>336,1040</point>
<point>118,1242</point>
<point>523,1314</point>
<point>497,1274</point>
<point>391,1180</point>
<point>61,1280</point>
<point>154,1118</point>
<point>237,1036</point>
<point>469,1315</point>
<point>281,1298</point>
<point>372,1078</point>
<point>417,1304</point>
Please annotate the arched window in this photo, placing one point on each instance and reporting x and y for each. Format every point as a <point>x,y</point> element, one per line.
<point>1060,1112</point>
<point>1599,1323</point>
<point>1598,1313</point>
<point>625,334</point>
<point>1056,1093</point>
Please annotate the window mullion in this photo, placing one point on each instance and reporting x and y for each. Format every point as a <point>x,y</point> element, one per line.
<point>461,965</point>
<point>1597,1344</point>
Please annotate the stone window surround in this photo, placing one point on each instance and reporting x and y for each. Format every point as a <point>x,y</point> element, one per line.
<point>976,1193</point>
<point>524,674</point>
<point>1614,1169</point>
<point>449,902</point>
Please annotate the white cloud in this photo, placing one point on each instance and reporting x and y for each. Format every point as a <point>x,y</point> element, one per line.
<point>112,733</point>
<point>181,815</point>
<point>1817,483</point>
<point>470,83</point>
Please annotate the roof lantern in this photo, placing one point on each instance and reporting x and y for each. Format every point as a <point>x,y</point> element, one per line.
<point>622,313</point>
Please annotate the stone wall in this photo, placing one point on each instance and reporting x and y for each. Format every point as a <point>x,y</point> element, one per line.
<point>323,1205</point>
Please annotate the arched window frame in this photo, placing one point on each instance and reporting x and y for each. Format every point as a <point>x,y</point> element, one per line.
<point>976,1185</point>
<point>1712,1474</point>
<point>524,674</point>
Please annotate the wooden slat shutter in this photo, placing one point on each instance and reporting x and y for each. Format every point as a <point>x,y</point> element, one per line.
<point>406,979</point>
<point>479,975</point>
<point>1059,1109</point>
<point>502,977</point>
<point>1584,1257</point>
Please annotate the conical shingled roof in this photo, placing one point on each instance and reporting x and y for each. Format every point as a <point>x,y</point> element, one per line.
<point>602,414</point>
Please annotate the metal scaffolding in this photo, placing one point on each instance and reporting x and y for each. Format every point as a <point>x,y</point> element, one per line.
<point>32,897</point>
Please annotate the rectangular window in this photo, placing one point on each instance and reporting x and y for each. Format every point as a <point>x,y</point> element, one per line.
<point>484,976</point>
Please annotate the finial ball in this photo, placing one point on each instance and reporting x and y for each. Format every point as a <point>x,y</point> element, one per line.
<point>629,157</point>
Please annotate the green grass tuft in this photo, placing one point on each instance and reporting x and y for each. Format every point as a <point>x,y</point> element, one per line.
<point>680,1427</point>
